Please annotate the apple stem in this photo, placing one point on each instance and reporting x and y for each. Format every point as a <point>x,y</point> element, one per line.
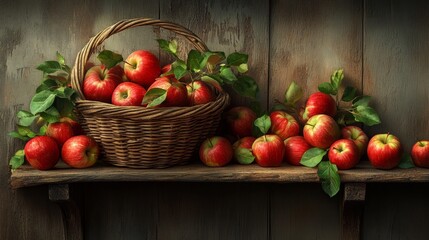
<point>128,63</point>
<point>210,143</point>
<point>265,138</point>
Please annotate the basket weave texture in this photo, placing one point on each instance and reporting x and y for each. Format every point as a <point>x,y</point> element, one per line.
<point>140,137</point>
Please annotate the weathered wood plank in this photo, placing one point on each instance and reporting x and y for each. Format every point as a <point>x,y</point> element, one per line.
<point>26,176</point>
<point>395,67</point>
<point>352,206</point>
<point>309,40</point>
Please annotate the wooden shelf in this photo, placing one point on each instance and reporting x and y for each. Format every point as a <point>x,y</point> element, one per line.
<point>196,172</point>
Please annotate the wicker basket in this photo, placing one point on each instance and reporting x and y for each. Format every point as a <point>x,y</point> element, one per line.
<point>139,137</point>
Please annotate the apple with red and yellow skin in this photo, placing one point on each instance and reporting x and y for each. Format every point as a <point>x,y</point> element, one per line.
<point>216,151</point>
<point>384,151</point>
<point>165,71</point>
<point>268,150</point>
<point>319,103</point>
<point>295,147</point>
<point>128,94</point>
<point>80,152</point>
<point>60,132</point>
<point>177,95</point>
<point>284,125</point>
<point>99,83</point>
<point>344,153</point>
<point>239,121</point>
<point>321,131</point>
<point>42,152</point>
<point>357,135</point>
<point>77,128</point>
<point>420,153</point>
<point>142,67</point>
<point>199,92</point>
<point>243,150</point>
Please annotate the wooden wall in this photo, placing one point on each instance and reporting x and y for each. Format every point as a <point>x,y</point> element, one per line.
<point>382,46</point>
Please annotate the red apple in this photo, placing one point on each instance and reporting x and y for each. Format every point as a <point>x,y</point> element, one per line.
<point>80,152</point>
<point>216,151</point>
<point>384,151</point>
<point>60,132</point>
<point>344,153</point>
<point>243,150</point>
<point>128,94</point>
<point>77,129</point>
<point>284,124</point>
<point>99,83</point>
<point>166,69</point>
<point>42,152</point>
<point>420,153</point>
<point>321,131</point>
<point>142,67</point>
<point>357,135</point>
<point>239,121</point>
<point>319,103</point>
<point>295,147</point>
<point>199,92</point>
<point>177,94</point>
<point>268,150</point>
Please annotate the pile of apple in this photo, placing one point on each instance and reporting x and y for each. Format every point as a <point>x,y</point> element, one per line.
<point>325,132</point>
<point>142,82</point>
<point>48,128</point>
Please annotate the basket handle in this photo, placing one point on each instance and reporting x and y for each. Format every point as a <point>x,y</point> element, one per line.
<point>78,71</point>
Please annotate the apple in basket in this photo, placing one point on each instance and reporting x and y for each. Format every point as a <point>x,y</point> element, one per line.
<point>99,83</point>
<point>80,152</point>
<point>42,152</point>
<point>128,94</point>
<point>142,67</point>
<point>176,92</point>
<point>216,151</point>
<point>200,92</point>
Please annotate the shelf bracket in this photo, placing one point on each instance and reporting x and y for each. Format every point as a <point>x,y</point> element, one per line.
<point>60,194</point>
<point>352,206</point>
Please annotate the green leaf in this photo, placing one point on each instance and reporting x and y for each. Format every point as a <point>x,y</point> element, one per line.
<point>263,123</point>
<point>244,156</point>
<point>236,59</point>
<point>217,78</point>
<point>47,84</point>
<point>212,58</point>
<point>25,118</point>
<point>243,68</point>
<point>336,79</point>
<point>64,92</point>
<point>293,93</point>
<point>51,115</point>
<point>167,46</point>
<point>246,86</point>
<point>180,72</point>
<point>17,160</point>
<point>41,101</point>
<point>64,106</point>
<point>42,130</point>
<point>60,75</point>
<point>328,174</point>
<point>25,131</point>
<point>361,101</point>
<point>49,67</point>
<point>155,97</point>
<point>194,60</point>
<point>313,156</point>
<point>366,115</point>
<point>327,88</point>
<point>109,58</point>
<point>406,161</point>
<point>19,136</point>
<point>60,59</point>
<point>349,94</point>
<point>227,75</point>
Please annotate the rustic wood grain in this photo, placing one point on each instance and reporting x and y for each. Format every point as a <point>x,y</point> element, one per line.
<point>309,40</point>
<point>352,206</point>
<point>395,67</point>
<point>228,26</point>
<point>27,176</point>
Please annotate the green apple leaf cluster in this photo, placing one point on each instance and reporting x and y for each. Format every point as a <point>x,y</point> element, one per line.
<point>53,99</point>
<point>212,65</point>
